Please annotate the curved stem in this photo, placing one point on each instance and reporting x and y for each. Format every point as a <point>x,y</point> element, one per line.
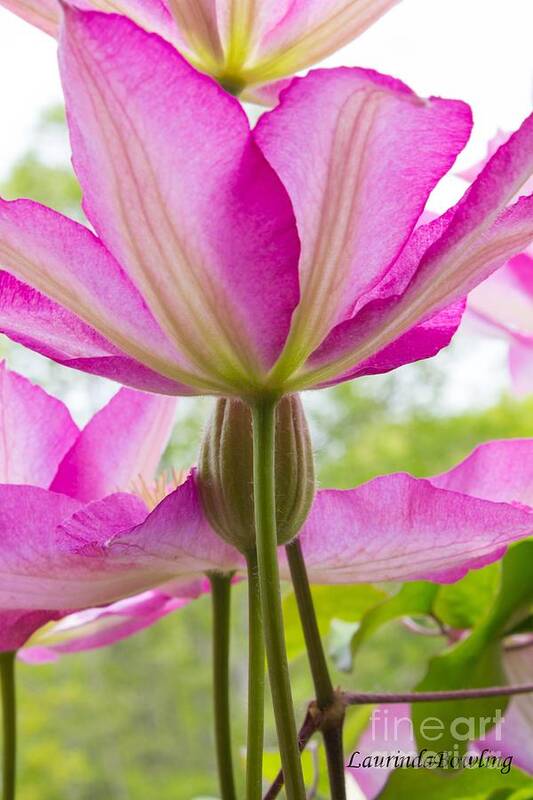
<point>372,698</point>
<point>325,694</point>
<point>264,419</point>
<point>221,596</point>
<point>9,710</point>
<point>256,684</point>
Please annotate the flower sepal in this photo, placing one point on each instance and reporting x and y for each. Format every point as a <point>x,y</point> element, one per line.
<point>225,471</point>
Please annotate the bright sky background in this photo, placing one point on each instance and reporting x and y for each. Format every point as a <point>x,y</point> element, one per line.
<point>478,50</point>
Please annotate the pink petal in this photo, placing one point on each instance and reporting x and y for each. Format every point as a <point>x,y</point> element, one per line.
<point>501,471</point>
<point>422,341</point>
<point>267,94</point>
<point>471,173</point>
<point>483,233</point>
<point>36,430</point>
<point>389,730</point>
<point>56,553</point>
<point>31,319</point>
<point>197,22</point>
<point>28,555</point>
<point>502,306</point>
<point>16,627</point>
<point>181,195</point>
<point>43,14</point>
<point>275,38</point>
<point>123,443</point>
<point>506,298</point>
<point>65,261</point>
<point>359,154</point>
<point>152,15</point>
<point>402,528</point>
<point>373,305</point>
<point>521,366</point>
<point>513,737</point>
<point>100,627</point>
<point>444,260</point>
<point>41,563</point>
<point>176,539</point>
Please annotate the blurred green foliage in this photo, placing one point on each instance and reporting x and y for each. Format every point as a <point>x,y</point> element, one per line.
<point>134,722</point>
<point>48,180</point>
<point>478,659</point>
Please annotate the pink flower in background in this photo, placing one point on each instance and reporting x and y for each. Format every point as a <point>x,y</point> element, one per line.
<point>44,458</point>
<point>395,528</point>
<point>517,725</point>
<point>242,43</point>
<point>389,731</point>
<point>502,306</point>
<point>471,173</point>
<point>228,261</point>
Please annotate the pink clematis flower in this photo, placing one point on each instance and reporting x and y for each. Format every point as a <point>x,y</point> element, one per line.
<point>235,262</point>
<point>502,306</point>
<point>394,528</point>
<point>242,43</point>
<point>49,467</point>
<point>516,731</point>
<point>100,627</point>
<point>471,173</point>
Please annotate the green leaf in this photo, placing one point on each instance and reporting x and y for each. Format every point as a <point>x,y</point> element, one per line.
<point>355,724</point>
<point>516,590</point>
<point>414,599</point>
<point>344,602</point>
<point>464,604</point>
<point>271,765</point>
<point>524,626</point>
<point>470,784</point>
<point>340,643</point>
<point>475,662</point>
<point>520,794</point>
<point>313,763</point>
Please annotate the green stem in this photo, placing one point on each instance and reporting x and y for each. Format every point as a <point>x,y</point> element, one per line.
<point>256,684</point>
<point>9,709</point>
<point>221,595</point>
<point>264,422</point>
<point>326,698</point>
<point>325,694</point>
<point>333,744</point>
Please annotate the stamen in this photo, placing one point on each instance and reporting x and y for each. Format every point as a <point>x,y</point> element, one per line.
<point>156,491</point>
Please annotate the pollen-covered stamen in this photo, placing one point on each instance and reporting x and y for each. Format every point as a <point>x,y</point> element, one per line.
<point>152,493</point>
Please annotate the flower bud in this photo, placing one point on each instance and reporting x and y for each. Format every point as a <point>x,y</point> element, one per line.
<point>225,471</point>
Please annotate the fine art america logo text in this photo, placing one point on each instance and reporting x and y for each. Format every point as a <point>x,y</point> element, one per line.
<point>395,750</point>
